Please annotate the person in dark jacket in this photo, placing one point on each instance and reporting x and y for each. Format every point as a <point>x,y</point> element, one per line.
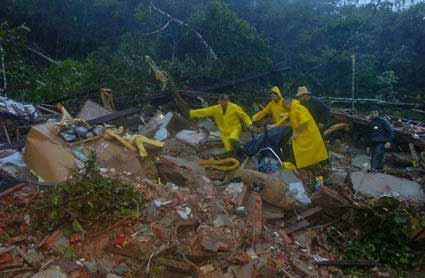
<point>315,106</point>
<point>381,136</point>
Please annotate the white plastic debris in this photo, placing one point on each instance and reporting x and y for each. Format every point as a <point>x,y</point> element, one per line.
<point>15,159</point>
<point>184,212</point>
<point>10,106</point>
<point>191,137</point>
<point>297,191</point>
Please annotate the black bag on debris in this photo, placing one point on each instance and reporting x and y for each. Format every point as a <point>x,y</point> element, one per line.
<point>274,138</point>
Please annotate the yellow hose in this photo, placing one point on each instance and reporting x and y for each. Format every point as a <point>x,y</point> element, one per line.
<point>227,164</point>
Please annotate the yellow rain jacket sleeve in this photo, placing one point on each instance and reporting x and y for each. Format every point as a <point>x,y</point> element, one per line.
<point>309,148</point>
<point>275,108</point>
<point>228,123</point>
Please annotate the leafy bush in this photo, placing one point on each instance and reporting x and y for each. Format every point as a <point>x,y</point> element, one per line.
<point>387,235</point>
<point>86,197</point>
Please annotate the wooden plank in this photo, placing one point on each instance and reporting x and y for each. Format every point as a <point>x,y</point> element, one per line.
<point>297,226</point>
<point>12,189</point>
<point>413,152</point>
<point>114,116</point>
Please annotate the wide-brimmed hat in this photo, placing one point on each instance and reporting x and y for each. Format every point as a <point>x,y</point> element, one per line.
<point>302,91</point>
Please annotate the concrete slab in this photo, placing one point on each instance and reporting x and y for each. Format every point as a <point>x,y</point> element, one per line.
<point>377,184</point>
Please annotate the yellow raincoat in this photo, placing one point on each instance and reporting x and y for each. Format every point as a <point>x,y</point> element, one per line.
<point>228,123</point>
<point>309,148</point>
<point>275,108</point>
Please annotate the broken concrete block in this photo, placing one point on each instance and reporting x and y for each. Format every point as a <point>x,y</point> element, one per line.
<point>272,213</point>
<point>91,110</point>
<point>222,220</point>
<point>339,177</point>
<point>327,197</point>
<point>235,193</point>
<point>254,220</point>
<point>244,271</point>
<point>377,184</point>
<point>361,161</point>
<point>305,269</point>
<point>50,273</point>
<point>217,239</point>
<point>180,171</point>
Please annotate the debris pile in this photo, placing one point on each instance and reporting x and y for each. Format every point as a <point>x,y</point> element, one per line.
<point>153,208</point>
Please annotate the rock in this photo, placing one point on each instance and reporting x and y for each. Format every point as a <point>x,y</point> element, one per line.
<point>361,161</point>
<point>306,270</point>
<point>111,275</point>
<point>377,184</point>
<point>222,220</point>
<point>217,239</point>
<point>235,193</point>
<point>34,257</point>
<point>176,148</point>
<point>244,271</point>
<point>50,273</point>
<point>180,171</point>
<point>207,268</point>
<point>241,211</point>
<point>91,267</point>
<point>105,266</point>
<point>120,269</point>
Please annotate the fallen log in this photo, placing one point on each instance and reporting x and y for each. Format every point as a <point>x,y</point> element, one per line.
<point>370,100</point>
<point>114,116</point>
<point>402,136</point>
<point>12,189</point>
<point>247,78</point>
<point>348,263</point>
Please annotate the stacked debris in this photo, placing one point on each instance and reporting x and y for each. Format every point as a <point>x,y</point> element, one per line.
<point>199,220</point>
<point>9,107</point>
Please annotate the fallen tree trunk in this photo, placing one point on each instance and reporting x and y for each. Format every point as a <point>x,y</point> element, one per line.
<point>116,115</point>
<point>167,81</point>
<point>370,100</point>
<point>247,78</point>
<point>401,135</point>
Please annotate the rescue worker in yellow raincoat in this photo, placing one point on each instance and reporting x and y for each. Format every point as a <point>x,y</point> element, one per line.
<point>307,142</point>
<point>227,116</point>
<point>274,107</point>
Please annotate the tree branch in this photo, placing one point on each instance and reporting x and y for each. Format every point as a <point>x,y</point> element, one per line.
<point>43,56</point>
<point>3,70</point>
<point>171,18</point>
<point>159,30</point>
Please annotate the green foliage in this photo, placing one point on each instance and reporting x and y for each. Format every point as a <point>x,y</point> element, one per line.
<point>87,197</point>
<point>387,82</point>
<point>240,48</point>
<point>103,42</point>
<point>387,234</point>
<point>59,81</point>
